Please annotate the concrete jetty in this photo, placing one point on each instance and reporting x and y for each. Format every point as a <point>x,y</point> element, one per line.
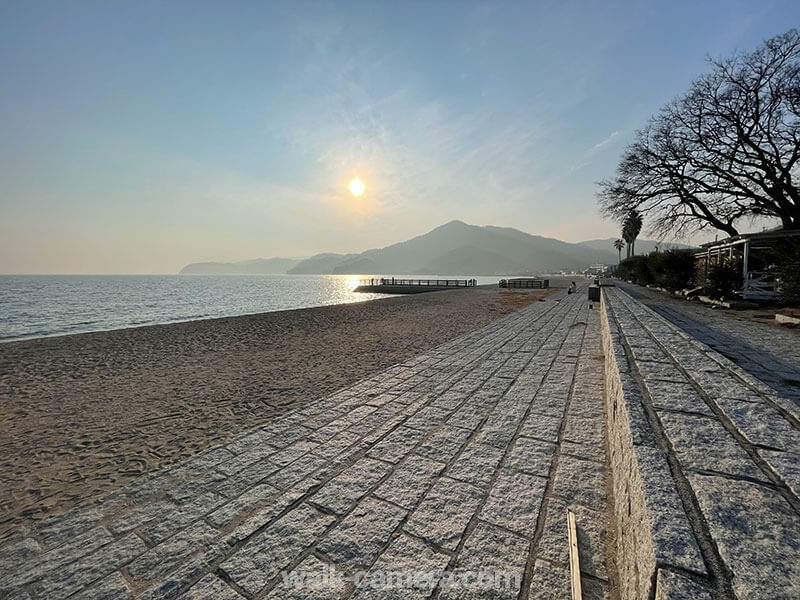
<point>450,475</point>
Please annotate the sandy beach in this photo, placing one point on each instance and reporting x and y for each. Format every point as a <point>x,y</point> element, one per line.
<point>85,414</point>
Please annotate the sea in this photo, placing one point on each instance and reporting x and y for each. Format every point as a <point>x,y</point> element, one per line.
<point>33,306</point>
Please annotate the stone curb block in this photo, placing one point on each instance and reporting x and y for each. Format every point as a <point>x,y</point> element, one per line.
<point>652,527</point>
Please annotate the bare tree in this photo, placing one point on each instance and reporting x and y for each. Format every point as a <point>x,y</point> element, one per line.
<point>725,151</point>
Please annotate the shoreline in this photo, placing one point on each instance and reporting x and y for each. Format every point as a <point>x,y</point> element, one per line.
<point>70,316</point>
<point>87,413</point>
<point>187,320</point>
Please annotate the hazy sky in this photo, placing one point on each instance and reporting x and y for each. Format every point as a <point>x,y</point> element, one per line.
<point>136,137</point>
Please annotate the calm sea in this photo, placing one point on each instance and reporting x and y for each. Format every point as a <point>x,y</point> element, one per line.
<point>44,305</point>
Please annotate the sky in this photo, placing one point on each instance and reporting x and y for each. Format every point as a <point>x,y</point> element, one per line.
<point>137,137</point>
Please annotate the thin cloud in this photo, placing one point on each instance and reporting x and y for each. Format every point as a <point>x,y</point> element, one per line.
<point>612,136</point>
<point>585,159</point>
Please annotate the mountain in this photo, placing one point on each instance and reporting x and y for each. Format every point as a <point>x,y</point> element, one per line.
<point>641,246</point>
<point>480,261</point>
<point>319,263</point>
<point>258,266</point>
<point>457,248</point>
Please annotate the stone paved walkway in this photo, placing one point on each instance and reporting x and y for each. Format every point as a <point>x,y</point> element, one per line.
<point>769,353</point>
<point>705,461</point>
<point>462,460</point>
<point>681,466</point>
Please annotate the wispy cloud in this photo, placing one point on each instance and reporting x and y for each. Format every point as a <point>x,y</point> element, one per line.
<point>611,137</point>
<point>585,159</point>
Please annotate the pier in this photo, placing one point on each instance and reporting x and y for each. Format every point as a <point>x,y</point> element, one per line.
<point>392,285</point>
<point>525,283</point>
<point>677,458</point>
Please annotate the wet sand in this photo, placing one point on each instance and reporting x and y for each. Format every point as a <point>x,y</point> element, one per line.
<point>85,414</point>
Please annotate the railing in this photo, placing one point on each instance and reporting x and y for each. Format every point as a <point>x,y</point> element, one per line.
<point>760,285</point>
<point>420,282</point>
<point>526,283</point>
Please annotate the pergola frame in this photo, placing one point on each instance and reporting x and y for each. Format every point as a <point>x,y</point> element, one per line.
<point>753,247</point>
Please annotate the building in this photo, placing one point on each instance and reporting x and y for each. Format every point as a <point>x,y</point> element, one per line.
<point>757,255</point>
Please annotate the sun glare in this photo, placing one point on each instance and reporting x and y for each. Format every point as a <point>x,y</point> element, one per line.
<point>356,187</point>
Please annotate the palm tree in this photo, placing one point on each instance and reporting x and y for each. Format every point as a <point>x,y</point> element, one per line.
<point>631,228</point>
<point>619,244</point>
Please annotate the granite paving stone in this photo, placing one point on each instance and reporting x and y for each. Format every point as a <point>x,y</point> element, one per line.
<point>499,428</point>
<point>338,443</point>
<point>552,582</point>
<point>761,424</point>
<point>111,587</point>
<point>407,569</point>
<point>443,444</point>
<point>787,465</point>
<point>295,471</point>
<point>175,520</point>
<point>211,587</point>
<point>703,444</point>
<point>356,541</point>
<point>531,456</point>
<point>671,586</point>
<point>139,514</point>
<point>168,554</point>
<point>16,551</point>
<point>408,483</point>
<point>497,559</point>
<point>261,517</point>
<point>245,459</point>
<point>427,418</point>
<point>344,490</point>
<point>444,512</point>
<point>579,480</point>
<point>468,416</point>
<point>756,531</point>
<point>292,452</point>
<point>78,575</point>
<point>541,427</point>
<point>584,430</point>
<point>514,501</point>
<point>674,541</point>
<point>397,444</point>
<point>669,395</point>
<point>476,464</point>
<point>592,536</point>
<point>237,507</point>
<point>312,579</point>
<point>265,556</point>
<point>69,553</point>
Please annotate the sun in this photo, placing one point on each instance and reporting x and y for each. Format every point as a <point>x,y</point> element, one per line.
<point>357,187</point>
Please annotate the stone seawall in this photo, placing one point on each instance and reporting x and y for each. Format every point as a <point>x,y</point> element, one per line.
<point>703,460</point>
<point>652,531</point>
